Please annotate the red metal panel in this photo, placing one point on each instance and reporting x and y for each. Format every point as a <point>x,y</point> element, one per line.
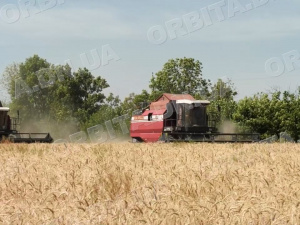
<point>178,96</point>
<point>149,131</point>
<point>160,105</point>
<point>161,102</point>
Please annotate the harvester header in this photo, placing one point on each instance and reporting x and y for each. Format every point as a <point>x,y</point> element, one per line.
<point>8,130</point>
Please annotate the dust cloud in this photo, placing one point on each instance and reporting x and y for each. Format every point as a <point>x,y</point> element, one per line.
<point>228,127</point>
<point>57,130</point>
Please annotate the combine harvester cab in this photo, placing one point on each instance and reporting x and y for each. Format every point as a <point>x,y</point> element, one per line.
<point>8,130</point>
<point>179,117</point>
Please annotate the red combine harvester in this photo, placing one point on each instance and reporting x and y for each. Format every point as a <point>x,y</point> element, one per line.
<point>8,130</point>
<point>179,117</point>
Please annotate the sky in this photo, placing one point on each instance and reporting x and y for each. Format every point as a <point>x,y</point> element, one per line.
<point>255,43</point>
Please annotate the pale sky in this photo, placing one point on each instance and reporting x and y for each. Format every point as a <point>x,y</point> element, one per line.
<point>235,43</point>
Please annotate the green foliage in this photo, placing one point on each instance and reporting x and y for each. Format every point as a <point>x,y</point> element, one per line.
<point>110,109</point>
<point>251,113</point>
<point>82,94</point>
<point>11,72</point>
<point>179,76</point>
<point>291,114</point>
<point>34,104</point>
<point>270,114</point>
<point>136,101</point>
<point>222,104</point>
<point>223,90</point>
<point>53,93</point>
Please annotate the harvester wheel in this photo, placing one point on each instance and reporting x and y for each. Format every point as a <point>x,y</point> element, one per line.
<point>136,140</point>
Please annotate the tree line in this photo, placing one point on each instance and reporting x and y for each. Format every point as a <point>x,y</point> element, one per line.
<point>53,97</point>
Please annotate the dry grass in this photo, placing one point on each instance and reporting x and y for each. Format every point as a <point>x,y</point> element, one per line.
<point>150,184</point>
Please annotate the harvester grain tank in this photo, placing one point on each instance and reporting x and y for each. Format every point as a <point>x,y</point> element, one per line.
<point>179,117</point>
<point>8,130</point>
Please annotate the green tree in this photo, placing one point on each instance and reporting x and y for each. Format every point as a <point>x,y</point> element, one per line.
<point>179,76</point>
<point>250,113</point>
<point>110,109</point>
<point>291,114</point>
<point>42,91</point>
<point>142,100</point>
<point>82,94</point>
<point>222,105</point>
<point>223,90</point>
<point>26,93</point>
<point>10,73</point>
<point>262,113</point>
<point>136,101</point>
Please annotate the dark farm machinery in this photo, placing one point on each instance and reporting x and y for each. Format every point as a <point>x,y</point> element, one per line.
<point>179,117</point>
<point>8,130</point>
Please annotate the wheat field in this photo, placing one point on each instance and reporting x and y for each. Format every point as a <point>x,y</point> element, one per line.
<point>124,183</point>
